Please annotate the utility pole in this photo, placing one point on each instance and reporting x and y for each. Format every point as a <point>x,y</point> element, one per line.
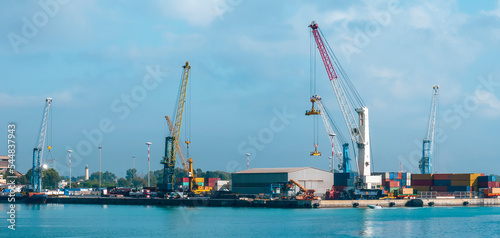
<point>148,143</point>
<point>133,169</point>
<point>69,151</point>
<point>100,174</point>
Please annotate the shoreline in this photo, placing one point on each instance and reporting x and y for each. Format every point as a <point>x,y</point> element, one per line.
<point>207,202</point>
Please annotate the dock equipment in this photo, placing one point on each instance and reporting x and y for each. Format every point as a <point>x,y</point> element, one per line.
<point>36,176</point>
<point>170,141</point>
<point>347,97</point>
<point>425,164</point>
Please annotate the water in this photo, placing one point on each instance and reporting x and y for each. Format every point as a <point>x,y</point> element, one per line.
<point>71,220</point>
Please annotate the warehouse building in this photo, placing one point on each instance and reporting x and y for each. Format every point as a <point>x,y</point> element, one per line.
<point>255,181</point>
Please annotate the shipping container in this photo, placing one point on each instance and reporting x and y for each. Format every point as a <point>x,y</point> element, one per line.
<point>489,178</point>
<point>199,180</point>
<point>422,182</point>
<point>459,189</point>
<point>421,188</point>
<point>421,177</point>
<point>442,182</point>
<point>439,188</point>
<point>442,177</point>
<point>463,183</point>
<point>462,177</point>
<point>406,191</point>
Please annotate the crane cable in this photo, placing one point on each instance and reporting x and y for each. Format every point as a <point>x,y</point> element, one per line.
<point>312,84</point>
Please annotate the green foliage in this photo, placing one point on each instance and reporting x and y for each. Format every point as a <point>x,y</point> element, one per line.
<point>139,182</point>
<point>124,182</point>
<point>131,173</point>
<point>106,178</point>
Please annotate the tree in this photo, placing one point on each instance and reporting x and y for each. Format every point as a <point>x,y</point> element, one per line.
<point>109,177</point>
<point>50,178</point>
<point>131,173</point>
<point>123,182</point>
<point>139,182</point>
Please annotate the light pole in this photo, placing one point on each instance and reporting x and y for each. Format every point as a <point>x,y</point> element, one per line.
<point>100,148</point>
<point>133,168</point>
<point>148,143</point>
<point>69,151</point>
<point>248,160</point>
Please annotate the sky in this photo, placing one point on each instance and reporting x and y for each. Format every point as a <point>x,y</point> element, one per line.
<point>113,71</point>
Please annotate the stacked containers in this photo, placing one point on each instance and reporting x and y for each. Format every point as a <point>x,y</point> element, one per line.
<point>210,182</point>
<point>487,182</point>
<point>403,178</point>
<point>421,182</point>
<point>199,181</point>
<point>185,182</point>
<point>344,179</point>
<point>464,182</point>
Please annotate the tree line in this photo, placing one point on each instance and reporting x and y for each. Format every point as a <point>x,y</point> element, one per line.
<point>51,178</point>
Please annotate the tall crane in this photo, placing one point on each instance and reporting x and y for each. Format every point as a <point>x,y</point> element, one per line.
<point>188,166</point>
<point>425,164</point>
<point>36,173</point>
<point>347,95</point>
<point>341,155</point>
<point>170,141</point>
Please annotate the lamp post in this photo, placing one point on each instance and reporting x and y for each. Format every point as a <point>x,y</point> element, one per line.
<point>248,160</point>
<point>100,148</point>
<point>148,143</point>
<point>69,151</point>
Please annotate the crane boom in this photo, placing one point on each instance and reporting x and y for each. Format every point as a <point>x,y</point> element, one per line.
<point>171,142</point>
<point>358,129</point>
<point>428,142</point>
<point>36,177</point>
<point>336,153</point>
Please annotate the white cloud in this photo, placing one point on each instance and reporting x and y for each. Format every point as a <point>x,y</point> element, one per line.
<point>495,12</point>
<point>420,19</point>
<point>198,12</point>
<point>489,104</point>
<point>64,97</point>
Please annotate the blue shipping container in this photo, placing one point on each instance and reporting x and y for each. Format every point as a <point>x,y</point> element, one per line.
<point>458,188</point>
<point>391,176</point>
<point>442,183</point>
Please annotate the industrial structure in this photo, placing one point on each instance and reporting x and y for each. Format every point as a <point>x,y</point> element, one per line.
<point>425,164</point>
<point>255,181</point>
<point>359,130</point>
<point>36,177</point>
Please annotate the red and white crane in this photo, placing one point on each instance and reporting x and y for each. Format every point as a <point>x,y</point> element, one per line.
<point>346,96</point>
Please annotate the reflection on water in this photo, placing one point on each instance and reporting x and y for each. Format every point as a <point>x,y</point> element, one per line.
<point>368,216</point>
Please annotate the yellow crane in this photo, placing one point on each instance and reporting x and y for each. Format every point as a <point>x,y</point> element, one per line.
<point>171,150</point>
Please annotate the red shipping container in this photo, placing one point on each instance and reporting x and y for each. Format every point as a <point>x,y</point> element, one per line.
<point>400,176</point>
<point>421,182</point>
<point>442,176</point>
<point>391,184</point>
<point>185,179</point>
<point>439,188</point>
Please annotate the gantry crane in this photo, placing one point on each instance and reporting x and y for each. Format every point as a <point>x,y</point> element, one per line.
<point>341,155</point>
<point>425,164</point>
<point>36,173</point>
<point>170,141</point>
<point>359,130</point>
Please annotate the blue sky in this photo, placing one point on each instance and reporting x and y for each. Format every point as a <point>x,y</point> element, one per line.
<point>121,63</point>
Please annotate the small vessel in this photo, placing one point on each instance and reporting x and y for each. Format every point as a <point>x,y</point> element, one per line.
<point>376,206</point>
<point>39,198</point>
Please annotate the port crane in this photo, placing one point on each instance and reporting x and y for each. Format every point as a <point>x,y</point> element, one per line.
<point>36,175</point>
<point>359,130</point>
<point>171,151</point>
<point>425,164</point>
<point>341,155</point>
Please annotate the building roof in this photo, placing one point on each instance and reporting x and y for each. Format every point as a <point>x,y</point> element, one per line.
<point>273,170</point>
<point>4,164</point>
<point>4,157</point>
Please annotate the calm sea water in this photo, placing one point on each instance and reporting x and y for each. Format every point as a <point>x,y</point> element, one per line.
<point>68,220</point>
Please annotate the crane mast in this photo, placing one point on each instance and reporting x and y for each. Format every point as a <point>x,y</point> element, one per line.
<point>358,129</point>
<point>428,142</point>
<point>36,177</point>
<point>171,141</point>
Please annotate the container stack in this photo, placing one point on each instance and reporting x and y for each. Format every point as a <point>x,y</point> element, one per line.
<point>389,179</point>
<point>343,180</point>
<point>422,182</point>
<point>487,182</point>
<point>445,183</point>
<point>210,182</point>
